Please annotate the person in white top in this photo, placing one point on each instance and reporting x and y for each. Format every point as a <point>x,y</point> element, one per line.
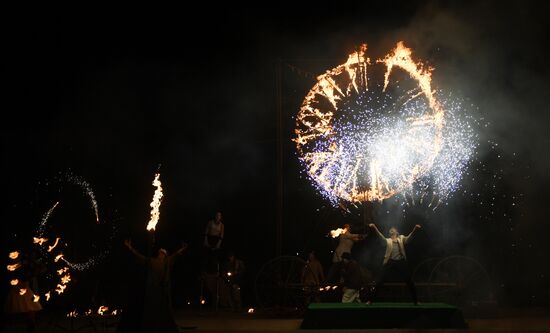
<point>346,240</point>
<point>213,235</point>
<point>395,259</point>
<point>345,243</point>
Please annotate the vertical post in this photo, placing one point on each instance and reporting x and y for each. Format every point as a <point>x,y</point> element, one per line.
<point>280,188</point>
<point>368,214</point>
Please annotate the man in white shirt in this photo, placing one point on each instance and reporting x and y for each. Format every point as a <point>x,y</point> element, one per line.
<point>395,259</point>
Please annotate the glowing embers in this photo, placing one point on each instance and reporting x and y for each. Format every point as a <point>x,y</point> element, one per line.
<point>368,130</point>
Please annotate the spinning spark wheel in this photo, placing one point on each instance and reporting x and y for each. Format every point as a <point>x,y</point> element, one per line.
<point>368,130</point>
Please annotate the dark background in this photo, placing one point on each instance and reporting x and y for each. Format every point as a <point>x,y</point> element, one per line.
<point>110,93</point>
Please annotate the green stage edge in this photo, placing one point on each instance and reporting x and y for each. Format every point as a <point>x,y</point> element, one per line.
<point>380,305</point>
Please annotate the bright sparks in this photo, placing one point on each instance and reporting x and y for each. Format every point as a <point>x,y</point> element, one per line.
<point>155,204</point>
<point>369,130</point>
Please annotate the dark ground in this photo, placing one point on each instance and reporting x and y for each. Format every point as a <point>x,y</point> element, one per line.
<point>501,320</point>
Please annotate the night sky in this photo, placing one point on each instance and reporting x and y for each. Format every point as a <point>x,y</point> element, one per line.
<point>109,95</point>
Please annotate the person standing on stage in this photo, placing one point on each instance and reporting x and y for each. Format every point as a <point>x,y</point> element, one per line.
<point>346,240</point>
<point>395,259</point>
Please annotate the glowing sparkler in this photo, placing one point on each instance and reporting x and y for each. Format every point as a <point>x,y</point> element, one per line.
<point>155,204</point>
<point>14,255</point>
<point>363,140</point>
<point>22,291</point>
<point>47,296</point>
<point>14,282</point>
<point>35,298</point>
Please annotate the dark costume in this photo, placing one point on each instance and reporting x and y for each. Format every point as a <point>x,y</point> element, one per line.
<point>157,313</point>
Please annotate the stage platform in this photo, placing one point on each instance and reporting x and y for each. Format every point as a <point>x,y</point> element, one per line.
<point>382,315</point>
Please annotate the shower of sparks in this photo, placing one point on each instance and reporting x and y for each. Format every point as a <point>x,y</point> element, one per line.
<point>155,204</point>
<point>86,189</point>
<point>69,178</point>
<point>42,226</point>
<point>368,142</point>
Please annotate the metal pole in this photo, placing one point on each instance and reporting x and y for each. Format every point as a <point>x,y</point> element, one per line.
<point>279,120</point>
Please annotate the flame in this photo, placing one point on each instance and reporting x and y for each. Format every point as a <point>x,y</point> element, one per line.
<point>337,232</point>
<point>51,247</point>
<point>13,267</point>
<point>155,204</point>
<point>57,257</point>
<point>36,298</point>
<point>66,279</point>
<point>88,312</point>
<point>39,240</point>
<point>102,309</point>
<point>60,288</point>
<point>22,291</point>
<point>115,312</point>
<point>62,270</point>
<point>47,296</point>
<point>228,273</point>
<point>72,314</point>
<point>14,282</point>
<point>326,166</point>
<point>203,301</point>
<point>251,310</point>
<point>14,255</point>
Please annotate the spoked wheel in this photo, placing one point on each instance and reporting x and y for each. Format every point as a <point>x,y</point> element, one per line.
<point>461,281</point>
<point>421,277</point>
<point>278,284</point>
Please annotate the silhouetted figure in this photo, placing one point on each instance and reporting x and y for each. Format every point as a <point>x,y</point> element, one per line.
<point>157,311</point>
<point>234,272</point>
<point>312,277</point>
<point>395,259</point>
<point>214,232</point>
<point>353,279</point>
<point>21,301</point>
